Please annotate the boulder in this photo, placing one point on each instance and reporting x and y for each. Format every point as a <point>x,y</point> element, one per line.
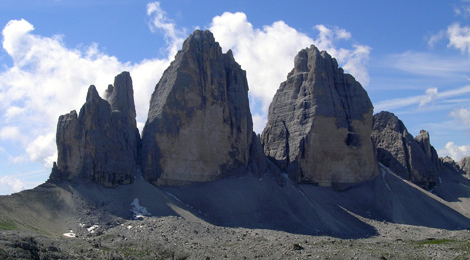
<point>199,126</point>
<point>413,159</point>
<point>320,123</point>
<point>101,143</point>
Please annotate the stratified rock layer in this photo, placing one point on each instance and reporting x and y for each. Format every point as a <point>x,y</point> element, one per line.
<point>319,124</point>
<point>411,158</point>
<point>199,126</point>
<point>101,143</point>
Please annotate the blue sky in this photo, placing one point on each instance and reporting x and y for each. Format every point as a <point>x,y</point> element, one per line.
<point>413,58</point>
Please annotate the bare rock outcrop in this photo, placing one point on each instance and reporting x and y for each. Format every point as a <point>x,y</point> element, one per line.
<point>199,126</point>
<point>319,124</point>
<point>100,144</point>
<point>411,158</point>
<point>449,165</point>
<point>464,165</point>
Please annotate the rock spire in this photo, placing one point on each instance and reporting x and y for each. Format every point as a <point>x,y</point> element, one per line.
<point>199,126</point>
<point>411,158</point>
<point>100,144</point>
<point>319,124</point>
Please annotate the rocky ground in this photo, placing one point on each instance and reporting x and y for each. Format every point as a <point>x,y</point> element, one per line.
<point>176,238</point>
<point>238,218</point>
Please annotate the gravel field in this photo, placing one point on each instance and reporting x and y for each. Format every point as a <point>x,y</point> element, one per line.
<point>237,218</point>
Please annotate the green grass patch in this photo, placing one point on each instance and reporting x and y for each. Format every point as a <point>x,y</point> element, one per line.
<point>7,226</point>
<point>436,241</point>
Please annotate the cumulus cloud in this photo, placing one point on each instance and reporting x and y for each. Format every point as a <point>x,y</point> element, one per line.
<point>48,79</point>
<point>459,37</point>
<point>457,152</point>
<point>9,185</point>
<point>10,133</point>
<point>263,53</point>
<point>267,56</point>
<point>461,115</point>
<point>352,60</point>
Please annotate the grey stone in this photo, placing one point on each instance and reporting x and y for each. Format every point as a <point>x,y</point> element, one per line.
<point>411,158</point>
<point>101,143</point>
<point>199,126</point>
<point>464,165</point>
<point>319,124</point>
<point>449,163</point>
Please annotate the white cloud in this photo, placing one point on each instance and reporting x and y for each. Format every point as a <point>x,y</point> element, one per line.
<point>259,122</point>
<point>48,79</point>
<point>268,57</point>
<point>426,64</point>
<point>457,152</point>
<point>462,116</point>
<point>462,10</point>
<point>265,53</point>
<point>435,38</point>
<point>10,185</point>
<point>352,60</point>
<point>173,36</point>
<point>10,133</point>
<point>459,37</point>
<point>431,95</point>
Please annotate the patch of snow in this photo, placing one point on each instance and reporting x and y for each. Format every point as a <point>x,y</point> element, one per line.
<point>129,227</point>
<point>70,234</point>
<point>139,211</point>
<point>92,228</point>
<point>81,225</point>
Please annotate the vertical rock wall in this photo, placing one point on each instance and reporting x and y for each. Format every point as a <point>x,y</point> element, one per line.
<point>319,124</point>
<point>101,143</point>
<point>199,126</point>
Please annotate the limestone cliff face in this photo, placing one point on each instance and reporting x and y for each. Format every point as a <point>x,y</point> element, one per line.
<point>199,126</point>
<point>411,158</point>
<point>319,124</point>
<point>101,143</point>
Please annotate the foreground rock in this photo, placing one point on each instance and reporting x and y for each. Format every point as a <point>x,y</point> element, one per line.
<point>199,126</point>
<point>319,124</point>
<point>412,159</point>
<point>101,143</point>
